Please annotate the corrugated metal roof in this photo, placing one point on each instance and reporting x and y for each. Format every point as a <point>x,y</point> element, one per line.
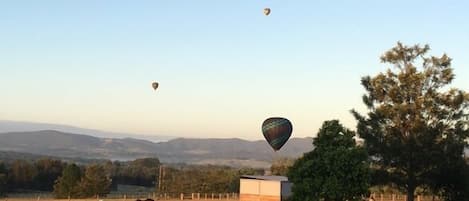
<point>259,177</point>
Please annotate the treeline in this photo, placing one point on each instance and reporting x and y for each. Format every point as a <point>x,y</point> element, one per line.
<point>202,179</point>
<point>78,181</point>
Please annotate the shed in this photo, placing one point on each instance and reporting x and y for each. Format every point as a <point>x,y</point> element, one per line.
<point>264,188</point>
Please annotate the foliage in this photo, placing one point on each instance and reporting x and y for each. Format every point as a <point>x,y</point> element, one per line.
<point>250,171</point>
<point>95,182</point>
<point>21,175</point>
<point>48,170</point>
<point>67,184</point>
<point>451,180</point>
<point>138,172</point>
<point>336,169</point>
<point>416,124</point>
<point>3,179</point>
<point>280,166</point>
<point>203,178</point>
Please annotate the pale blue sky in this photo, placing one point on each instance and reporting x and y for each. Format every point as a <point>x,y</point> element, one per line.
<point>223,67</point>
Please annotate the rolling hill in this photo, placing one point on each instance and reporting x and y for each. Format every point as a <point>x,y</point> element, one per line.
<point>233,152</point>
<point>23,126</point>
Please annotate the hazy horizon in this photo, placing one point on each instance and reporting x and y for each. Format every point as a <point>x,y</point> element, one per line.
<point>25,126</point>
<point>223,67</point>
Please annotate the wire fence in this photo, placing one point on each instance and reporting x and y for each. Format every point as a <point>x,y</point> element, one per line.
<point>400,197</point>
<point>131,196</point>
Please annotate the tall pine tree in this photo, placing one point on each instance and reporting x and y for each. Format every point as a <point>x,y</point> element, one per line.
<point>67,184</point>
<point>95,182</point>
<point>416,124</point>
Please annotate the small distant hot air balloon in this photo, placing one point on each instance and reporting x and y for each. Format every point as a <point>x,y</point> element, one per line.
<point>277,131</point>
<point>266,11</point>
<point>154,85</point>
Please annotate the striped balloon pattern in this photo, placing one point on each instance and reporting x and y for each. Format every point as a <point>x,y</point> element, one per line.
<point>277,131</point>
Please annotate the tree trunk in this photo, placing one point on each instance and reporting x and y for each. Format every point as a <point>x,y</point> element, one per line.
<point>410,192</point>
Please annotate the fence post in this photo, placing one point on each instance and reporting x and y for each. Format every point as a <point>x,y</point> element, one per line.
<point>205,195</point>
<point>213,196</point>
<point>198,196</point>
<point>182,196</point>
<point>418,197</point>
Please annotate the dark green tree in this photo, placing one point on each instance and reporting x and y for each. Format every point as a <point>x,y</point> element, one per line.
<point>67,184</point>
<point>3,179</point>
<point>95,182</point>
<point>416,124</point>
<point>48,170</point>
<point>451,181</point>
<point>336,170</point>
<point>142,172</point>
<point>21,175</point>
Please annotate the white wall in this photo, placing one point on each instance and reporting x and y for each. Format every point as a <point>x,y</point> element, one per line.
<point>260,187</point>
<point>270,188</point>
<point>249,186</point>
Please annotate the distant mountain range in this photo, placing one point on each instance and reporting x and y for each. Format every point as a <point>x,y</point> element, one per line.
<point>21,126</point>
<point>233,152</point>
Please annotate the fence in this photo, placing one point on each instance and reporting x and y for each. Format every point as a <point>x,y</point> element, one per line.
<point>132,196</point>
<point>398,197</point>
<point>176,196</point>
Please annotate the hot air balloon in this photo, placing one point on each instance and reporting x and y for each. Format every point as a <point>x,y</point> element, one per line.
<point>277,131</point>
<point>266,11</point>
<point>154,85</point>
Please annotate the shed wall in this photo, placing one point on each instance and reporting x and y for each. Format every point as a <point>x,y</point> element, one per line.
<point>259,190</point>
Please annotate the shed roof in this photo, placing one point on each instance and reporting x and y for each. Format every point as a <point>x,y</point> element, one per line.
<point>270,178</point>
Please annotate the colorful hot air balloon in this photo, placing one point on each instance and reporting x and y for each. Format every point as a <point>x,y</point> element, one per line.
<point>266,11</point>
<point>154,85</point>
<point>277,131</point>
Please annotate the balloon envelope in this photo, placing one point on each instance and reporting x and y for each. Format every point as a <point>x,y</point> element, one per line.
<point>266,11</point>
<point>154,85</point>
<point>277,131</point>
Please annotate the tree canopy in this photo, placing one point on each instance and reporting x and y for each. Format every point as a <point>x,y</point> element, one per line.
<point>3,179</point>
<point>95,182</point>
<point>335,170</point>
<point>280,166</point>
<point>67,184</point>
<point>416,124</point>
